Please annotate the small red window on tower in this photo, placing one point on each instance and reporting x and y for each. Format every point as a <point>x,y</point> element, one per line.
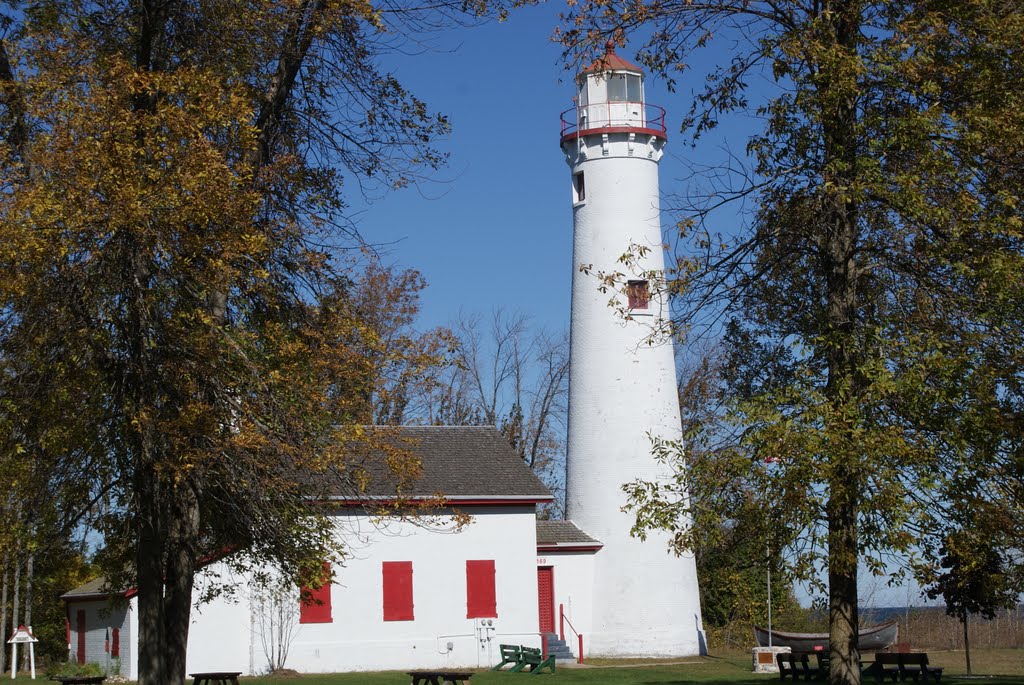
<point>638,293</point>
<point>480,596</point>
<point>397,590</point>
<point>315,604</point>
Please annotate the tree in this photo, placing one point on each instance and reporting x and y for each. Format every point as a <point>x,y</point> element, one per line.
<point>506,375</point>
<point>736,554</point>
<point>977,577</point>
<point>870,296</point>
<point>178,347</point>
<point>276,618</point>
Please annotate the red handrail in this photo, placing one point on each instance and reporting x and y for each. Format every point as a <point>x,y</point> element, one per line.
<point>562,620</point>
<point>654,118</point>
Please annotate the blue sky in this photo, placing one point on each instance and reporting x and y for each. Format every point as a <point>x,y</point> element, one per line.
<point>495,228</point>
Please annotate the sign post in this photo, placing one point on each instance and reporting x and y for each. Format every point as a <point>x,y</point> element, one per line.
<point>22,635</point>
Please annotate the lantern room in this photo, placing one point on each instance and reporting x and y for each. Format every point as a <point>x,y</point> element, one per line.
<point>610,94</point>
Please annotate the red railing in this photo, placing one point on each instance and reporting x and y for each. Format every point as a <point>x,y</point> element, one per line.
<point>653,118</point>
<point>562,620</point>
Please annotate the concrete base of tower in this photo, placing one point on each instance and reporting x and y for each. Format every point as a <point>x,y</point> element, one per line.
<point>649,644</point>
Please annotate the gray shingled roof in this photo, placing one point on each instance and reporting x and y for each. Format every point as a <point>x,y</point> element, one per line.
<point>94,588</point>
<point>458,462</point>
<point>562,534</point>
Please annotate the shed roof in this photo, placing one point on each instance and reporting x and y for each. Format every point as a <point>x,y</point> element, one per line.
<point>95,588</point>
<point>564,535</point>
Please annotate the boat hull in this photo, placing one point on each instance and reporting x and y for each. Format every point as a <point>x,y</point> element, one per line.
<point>870,639</point>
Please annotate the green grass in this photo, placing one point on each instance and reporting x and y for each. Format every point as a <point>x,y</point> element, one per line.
<point>731,668</point>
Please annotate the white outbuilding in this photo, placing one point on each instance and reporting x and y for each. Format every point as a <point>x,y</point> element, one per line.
<point>411,594</point>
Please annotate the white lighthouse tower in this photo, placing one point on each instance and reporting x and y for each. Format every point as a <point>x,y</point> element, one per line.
<point>622,390</point>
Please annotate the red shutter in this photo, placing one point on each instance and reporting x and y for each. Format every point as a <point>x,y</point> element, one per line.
<point>315,605</point>
<point>80,629</point>
<point>397,590</point>
<point>115,647</point>
<point>480,601</point>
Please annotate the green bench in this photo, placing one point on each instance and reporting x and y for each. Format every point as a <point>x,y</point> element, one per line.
<point>510,654</point>
<point>524,659</point>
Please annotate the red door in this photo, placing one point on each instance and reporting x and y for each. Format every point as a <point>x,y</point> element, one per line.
<point>546,598</point>
<point>80,628</point>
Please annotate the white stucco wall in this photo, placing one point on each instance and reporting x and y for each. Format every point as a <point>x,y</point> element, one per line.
<point>359,639</point>
<point>220,631</point>
<point>225,634</point>
<point>574,590</point>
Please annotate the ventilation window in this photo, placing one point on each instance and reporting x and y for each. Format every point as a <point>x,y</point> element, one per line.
<point>579,189</point>
<point>639,294</point>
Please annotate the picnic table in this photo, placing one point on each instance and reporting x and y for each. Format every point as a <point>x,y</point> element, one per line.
<point>216,678</point>
<point>904,665</point>
<point>440,677</point>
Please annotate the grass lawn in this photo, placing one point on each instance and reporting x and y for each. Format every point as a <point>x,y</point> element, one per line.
<point>730,668</point>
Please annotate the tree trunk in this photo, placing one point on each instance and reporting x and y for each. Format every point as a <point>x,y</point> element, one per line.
<point>30,571</point>
<point>967,644</point>
<point>16,584</point>
<point>3,610</point>
<point>839,241</point>
<point>182,554</point>
<point>148,559</point>
<point>842,585</point>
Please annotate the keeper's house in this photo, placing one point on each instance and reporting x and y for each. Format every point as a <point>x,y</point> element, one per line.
<point>411,594</point>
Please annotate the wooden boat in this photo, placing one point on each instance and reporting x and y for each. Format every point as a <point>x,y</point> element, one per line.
<point>870,639</point>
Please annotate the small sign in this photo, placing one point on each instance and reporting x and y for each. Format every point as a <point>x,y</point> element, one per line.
<point>21,635</point>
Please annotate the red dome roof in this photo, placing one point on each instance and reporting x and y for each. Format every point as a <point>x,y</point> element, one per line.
<point>611,62</point>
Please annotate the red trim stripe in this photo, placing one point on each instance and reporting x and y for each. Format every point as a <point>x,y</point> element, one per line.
<point>548,549</point>
<point>614,129</point>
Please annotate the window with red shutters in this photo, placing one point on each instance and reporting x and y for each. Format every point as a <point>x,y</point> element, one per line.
<point>315,605</point>
<point>115,643</point>
<point>480,597</point>
<point>397,590</point>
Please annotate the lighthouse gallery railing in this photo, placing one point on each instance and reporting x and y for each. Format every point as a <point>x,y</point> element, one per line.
<point>612,114</point>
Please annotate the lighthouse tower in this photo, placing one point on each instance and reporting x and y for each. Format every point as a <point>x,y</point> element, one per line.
<point>622,390</point>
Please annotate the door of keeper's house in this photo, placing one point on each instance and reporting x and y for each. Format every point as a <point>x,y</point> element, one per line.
<point>546,598</point>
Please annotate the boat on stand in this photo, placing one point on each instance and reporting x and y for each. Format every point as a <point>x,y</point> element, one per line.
<point>872,639</point>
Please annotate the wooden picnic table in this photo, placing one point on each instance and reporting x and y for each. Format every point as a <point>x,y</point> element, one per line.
<point>440,677</point>
<point>216,677</point>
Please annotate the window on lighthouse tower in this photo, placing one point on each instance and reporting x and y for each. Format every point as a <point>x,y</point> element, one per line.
<point>579,188</point>
<point>638,293</point>
<point>624,88</point>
